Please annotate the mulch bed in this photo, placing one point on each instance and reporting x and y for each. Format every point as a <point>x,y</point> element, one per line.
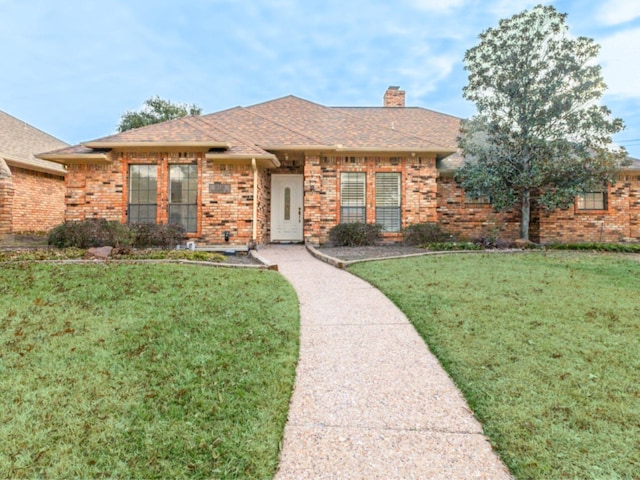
<point>377,251</point>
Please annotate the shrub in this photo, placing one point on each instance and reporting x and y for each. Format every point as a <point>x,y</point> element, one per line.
<point>100,232</point>
<point>355,234</point>
<point>491,235</point>
<point>153,235</point>
<point>89,233</point>
<point>425,233</point>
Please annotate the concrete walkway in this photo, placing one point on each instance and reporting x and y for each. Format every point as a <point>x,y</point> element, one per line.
<point>370,400</point>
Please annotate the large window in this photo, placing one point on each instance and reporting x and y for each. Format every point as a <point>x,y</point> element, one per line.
<point>183,196</point>
<point>592,201</point>
<point>143,192</point>
<point>388,201</point>
<point>352,197</point>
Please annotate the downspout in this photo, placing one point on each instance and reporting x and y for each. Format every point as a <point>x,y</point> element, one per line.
<point>254,223</point>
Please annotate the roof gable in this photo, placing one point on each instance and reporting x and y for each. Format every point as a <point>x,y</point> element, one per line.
<point>20,142</point>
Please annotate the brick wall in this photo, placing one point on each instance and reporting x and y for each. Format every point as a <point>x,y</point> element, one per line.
<point>230,207</point>
<point>38,201</point>
<point>96,191</point>
<point>620,222</point>
<point>6,204</point>
<point>322,190</point>
<point>469,220</point>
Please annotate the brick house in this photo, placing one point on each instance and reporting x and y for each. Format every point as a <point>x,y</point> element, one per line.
<point>31,189</point>
<point>288,170</point>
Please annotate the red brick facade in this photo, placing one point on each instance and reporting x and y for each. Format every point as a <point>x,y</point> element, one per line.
<point>619,222</point>
<point>30,201</point>
<point>467,219</point>
<point>322,190</point>
<point>226,199</point>
<point>7,192</point>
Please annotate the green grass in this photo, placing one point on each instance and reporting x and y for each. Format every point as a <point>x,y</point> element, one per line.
<point>545,347</point>
<point>143,371</point>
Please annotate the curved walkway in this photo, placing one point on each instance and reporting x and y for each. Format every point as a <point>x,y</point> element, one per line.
<point>370,400</point>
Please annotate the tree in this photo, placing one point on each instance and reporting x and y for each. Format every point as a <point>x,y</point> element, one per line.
<point>156,110</point>
<point>539,129</point>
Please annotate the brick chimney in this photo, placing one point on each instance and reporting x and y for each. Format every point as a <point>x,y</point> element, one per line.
<point>394,97</point>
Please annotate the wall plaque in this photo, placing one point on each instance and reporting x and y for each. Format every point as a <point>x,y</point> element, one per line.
<point>218,187</point>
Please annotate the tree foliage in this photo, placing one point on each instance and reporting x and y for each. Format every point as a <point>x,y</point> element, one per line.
<point>156,110</point>
<point>539,129</point>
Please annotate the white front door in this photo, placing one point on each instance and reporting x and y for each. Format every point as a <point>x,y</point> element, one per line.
<point>287,216</point>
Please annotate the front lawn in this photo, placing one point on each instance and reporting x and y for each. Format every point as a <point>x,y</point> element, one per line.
<point>143,371</point>
<point>545,347</point>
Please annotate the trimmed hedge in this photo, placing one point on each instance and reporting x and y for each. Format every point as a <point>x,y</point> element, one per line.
<point>424,233</point>
<point>153,235</point>
<point>355,234</point>
<point>100,232</point>
<point>90,233</point>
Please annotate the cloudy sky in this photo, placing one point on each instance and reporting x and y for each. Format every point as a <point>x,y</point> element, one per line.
<point>72,67</point>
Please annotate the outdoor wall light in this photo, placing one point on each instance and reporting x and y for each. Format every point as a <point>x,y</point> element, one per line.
<point>227,234</point>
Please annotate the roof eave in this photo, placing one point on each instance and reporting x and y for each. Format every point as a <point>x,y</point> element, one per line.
<point>409,150</point>
<point>77,158</point>
<point>361,149</point>
<point>157,144</point>
<point>16,162</point>
<point>295,148</point>
<point>268,161</point>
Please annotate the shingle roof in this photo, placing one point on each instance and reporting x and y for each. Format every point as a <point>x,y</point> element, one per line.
<point>356,128</point>
<point>635,164</point>
<point>437,127</point>
<point>20,142</point>
<point>292,122</point>
<point>178,131</point>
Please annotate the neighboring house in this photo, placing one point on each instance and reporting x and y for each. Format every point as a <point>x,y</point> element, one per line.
<point>31,189</point>
<point>288,170</point>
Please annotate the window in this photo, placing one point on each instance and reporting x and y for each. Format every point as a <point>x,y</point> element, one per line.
<point>592,201</point>
<point>183,196</point>
<point>287,204</point>
<point>143,191</point>
<point>352,197</point>
<point>388,201</point>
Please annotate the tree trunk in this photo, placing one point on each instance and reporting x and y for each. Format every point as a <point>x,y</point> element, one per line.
<point>526,215</point>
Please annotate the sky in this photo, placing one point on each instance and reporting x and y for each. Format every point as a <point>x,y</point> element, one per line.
<point>71,68</point>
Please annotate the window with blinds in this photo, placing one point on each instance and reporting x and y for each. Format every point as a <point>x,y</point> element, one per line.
<point>388,201</point>
<point>592,201</point>
<point>352,197</point>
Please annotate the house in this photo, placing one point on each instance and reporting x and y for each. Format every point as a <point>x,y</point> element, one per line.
<point>288,170</point>
<point>31,189</point>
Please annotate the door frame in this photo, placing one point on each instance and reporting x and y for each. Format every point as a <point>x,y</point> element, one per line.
<point>273,238</point>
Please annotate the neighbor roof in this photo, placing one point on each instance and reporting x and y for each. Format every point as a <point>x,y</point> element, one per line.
<point>290,123</point>
<point>19,142</point>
